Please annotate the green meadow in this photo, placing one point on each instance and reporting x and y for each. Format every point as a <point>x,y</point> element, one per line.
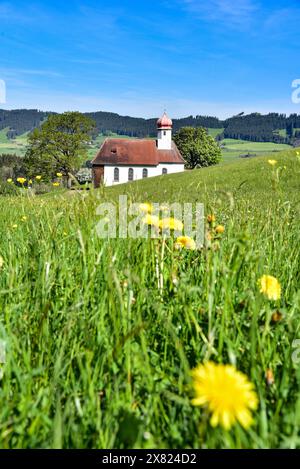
<point>233,149</point>
<point>16,146</point>
<point>101,335</point>
<point>215,132</point>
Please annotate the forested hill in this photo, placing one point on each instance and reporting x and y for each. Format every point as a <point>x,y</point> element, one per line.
<point>255,127</point>
<point>138,127</point>
<point>20,121</point>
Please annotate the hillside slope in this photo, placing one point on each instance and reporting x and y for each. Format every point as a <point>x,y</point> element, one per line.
<point>102,334</point>
<point>251,179</point>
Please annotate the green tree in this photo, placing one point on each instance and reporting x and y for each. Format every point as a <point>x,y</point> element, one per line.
<point>197,147</point>
<point>59,145</point>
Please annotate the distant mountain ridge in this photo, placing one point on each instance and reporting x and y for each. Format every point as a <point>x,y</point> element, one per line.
<point>273,127</point>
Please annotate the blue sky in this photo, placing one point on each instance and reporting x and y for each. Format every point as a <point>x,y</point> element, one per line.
<point>217,57</point>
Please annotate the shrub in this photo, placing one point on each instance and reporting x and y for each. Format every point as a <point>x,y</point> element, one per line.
<point>8,188</point>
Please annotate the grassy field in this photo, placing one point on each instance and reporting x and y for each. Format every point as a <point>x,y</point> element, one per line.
<point>281,132</point>
<point>101,335</point>
<point>232,149</point>
<point>215,132</point>
<point>13,146</point>
<point>3,136</point>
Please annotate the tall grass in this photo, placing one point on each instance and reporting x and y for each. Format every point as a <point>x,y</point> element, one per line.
<point>98,355</point>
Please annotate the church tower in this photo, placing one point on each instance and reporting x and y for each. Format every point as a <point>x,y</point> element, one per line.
<point>164,133</point>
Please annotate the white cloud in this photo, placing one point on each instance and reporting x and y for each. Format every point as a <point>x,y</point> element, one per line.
<point>13,14</point>
<point>234,14</point>
<point>285,18</point>
<point>13,72</point>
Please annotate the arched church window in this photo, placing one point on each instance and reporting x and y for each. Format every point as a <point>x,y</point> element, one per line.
<point>130,174</point>
<point>164,171</point>
<point>116,174</point>
<point>145,173</point>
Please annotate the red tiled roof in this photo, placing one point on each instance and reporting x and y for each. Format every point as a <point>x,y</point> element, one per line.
<point>119,151</point>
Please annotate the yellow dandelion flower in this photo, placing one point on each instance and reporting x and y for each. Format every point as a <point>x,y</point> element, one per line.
<point>1,262</point>
<point>55,184</point>
<point>30,181</point>
<point>15,226</point>
<point>151,220</point>
<point>171,224</point>
<point>270,287</point>
<point>147,208</point>
<point>272,162</point>
<point>21,180</point>
<point>38,178</point>
<point>9,180</point>
<point>185,242</point>
<point>211,218</point>
<point>226,392</point>
<point>220,229</point>
<point>24,218</point>
<point>59,175</point>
